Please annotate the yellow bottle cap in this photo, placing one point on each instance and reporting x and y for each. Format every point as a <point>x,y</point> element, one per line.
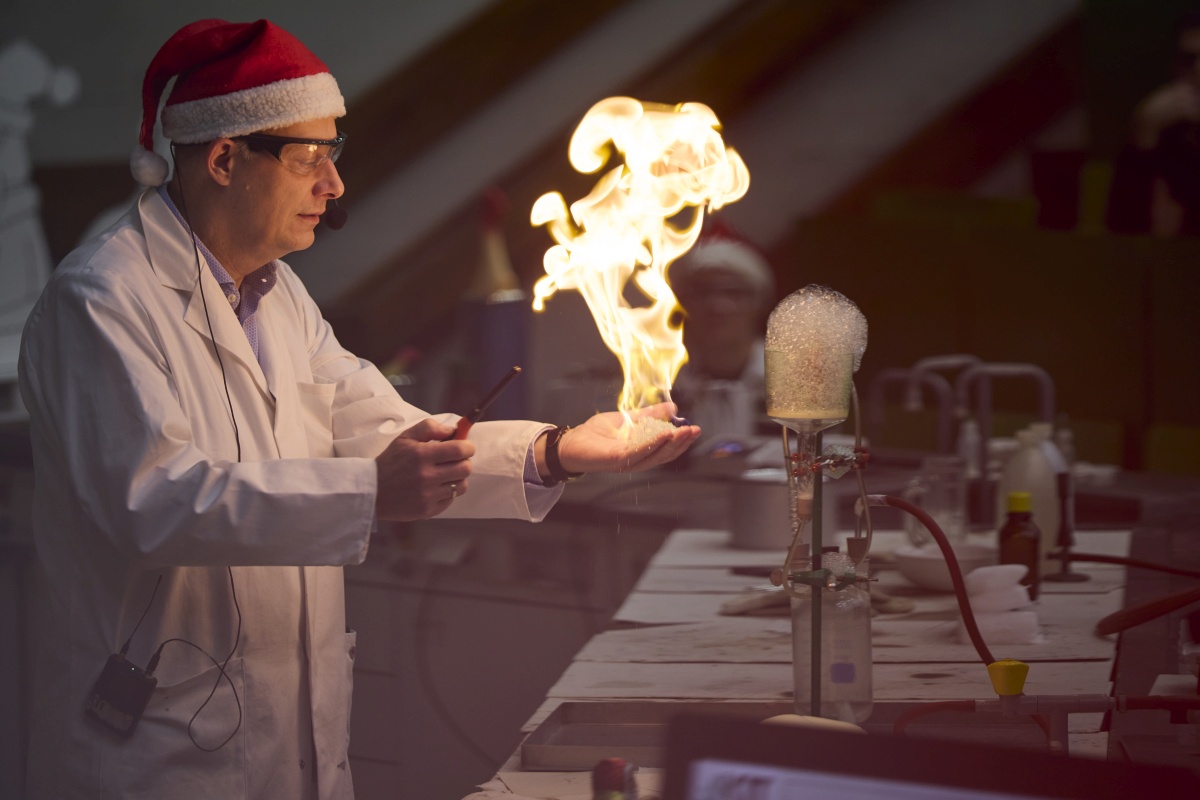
<point>1008,676</point>
<point>1020,501</point>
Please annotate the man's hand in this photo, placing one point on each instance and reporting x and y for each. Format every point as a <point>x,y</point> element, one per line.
<point>604,444</point>
<point>419,474</point>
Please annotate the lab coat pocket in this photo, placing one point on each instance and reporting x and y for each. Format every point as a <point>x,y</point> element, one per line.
<point>172,732</point>
<point>316,413</point>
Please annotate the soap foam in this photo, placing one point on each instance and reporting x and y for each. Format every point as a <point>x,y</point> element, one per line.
<point>817,317</point>
<point>815,341</point>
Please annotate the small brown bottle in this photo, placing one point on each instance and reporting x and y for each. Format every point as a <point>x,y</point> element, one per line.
<point>1020,540</point>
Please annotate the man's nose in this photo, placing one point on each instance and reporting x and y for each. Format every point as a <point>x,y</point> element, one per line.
<point>331,181</point>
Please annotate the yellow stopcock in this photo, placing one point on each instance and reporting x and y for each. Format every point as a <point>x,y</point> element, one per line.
<point>1008,676</point>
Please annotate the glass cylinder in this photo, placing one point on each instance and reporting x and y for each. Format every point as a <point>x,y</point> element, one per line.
<point>845,672</point>
<point>808,389</point>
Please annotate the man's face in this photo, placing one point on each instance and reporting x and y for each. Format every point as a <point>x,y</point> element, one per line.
<point>722,308</point>
<point>277,209</point>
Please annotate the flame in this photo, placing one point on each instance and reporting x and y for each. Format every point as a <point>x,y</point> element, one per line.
<point>622,231</point>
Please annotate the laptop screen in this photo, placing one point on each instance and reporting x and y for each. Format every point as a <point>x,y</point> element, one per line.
<point>727,758</point>
<point>712,778</point>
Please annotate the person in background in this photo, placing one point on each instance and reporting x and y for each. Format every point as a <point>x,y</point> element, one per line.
<point>1156,177</point>
<point>208,456</point>
<point>726,289</point>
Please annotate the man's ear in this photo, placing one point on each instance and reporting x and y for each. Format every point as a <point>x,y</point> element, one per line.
<point>222,153</point>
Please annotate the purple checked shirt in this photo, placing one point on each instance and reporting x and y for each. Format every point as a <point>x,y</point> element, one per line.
<point>255,286</point>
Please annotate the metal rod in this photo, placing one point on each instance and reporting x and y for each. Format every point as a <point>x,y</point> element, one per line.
<point>818,592</point>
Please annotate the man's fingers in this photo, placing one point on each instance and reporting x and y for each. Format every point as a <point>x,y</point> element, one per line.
<point>662,449</point>
<point>429,430</point>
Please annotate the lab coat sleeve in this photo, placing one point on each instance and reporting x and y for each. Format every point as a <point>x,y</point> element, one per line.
<point>107,422</point>
<point>367,411</point>
<point>368,414</point>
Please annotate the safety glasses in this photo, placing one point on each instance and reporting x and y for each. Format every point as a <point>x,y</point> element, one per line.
<point>302,156</point>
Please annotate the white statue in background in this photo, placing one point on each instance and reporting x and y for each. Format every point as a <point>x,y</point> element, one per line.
<point>25,74</point>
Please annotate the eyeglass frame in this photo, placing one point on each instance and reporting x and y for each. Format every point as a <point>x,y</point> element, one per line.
<point>274,145</point>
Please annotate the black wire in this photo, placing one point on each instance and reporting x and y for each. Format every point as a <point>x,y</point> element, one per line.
<point>238,439</point>
<point>204,299</point>
<point>218,664</point>
<point>146,610</point>
<point>221,667</point>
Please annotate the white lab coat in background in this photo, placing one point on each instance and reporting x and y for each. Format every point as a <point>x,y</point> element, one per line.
<point>137,477</point>
<point>726,410</point>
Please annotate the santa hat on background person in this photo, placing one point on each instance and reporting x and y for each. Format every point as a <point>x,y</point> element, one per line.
<point>231,78</point>
<point>721,247</point>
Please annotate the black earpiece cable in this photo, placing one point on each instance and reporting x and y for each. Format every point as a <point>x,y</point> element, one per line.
<point>204,299</point>
<point>153,664</point>
<point>145,611</point>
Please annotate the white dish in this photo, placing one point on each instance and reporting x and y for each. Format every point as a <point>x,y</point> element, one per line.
<point>926,566</point>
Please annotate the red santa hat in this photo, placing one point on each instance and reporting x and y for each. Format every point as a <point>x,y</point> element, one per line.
<point>230,79</point>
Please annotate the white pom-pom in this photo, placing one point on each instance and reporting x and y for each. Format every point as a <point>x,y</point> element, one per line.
<point>148,167</point>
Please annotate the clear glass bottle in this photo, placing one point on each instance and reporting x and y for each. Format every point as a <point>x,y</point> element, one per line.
<point>845,649</point>
<point>1020,540</point>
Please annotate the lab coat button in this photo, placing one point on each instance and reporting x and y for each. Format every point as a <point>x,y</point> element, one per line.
<point>353,650</point>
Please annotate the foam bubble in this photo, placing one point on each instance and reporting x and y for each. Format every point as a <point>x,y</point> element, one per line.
<point>815,341</point>
<point>817,317</point>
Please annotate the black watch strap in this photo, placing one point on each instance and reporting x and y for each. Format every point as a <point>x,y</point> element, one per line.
<point>553,463</point>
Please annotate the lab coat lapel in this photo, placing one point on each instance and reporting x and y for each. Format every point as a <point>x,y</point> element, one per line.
<point>173,258</point>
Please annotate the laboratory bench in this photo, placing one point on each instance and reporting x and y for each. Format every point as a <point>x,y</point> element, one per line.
<point>473,634</point>
<point>670,648</point>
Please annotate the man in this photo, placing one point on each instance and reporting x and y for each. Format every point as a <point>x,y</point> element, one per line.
<point>726,288</point>
<point>208,457</point>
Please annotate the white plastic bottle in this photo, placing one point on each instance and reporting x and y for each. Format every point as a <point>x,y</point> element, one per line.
<point>1030,469</point>
<point>1064,487</point>
<point>845,651</point>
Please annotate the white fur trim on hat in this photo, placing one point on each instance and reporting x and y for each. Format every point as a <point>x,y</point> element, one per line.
<point>729,255</point>
<point>274,105</point>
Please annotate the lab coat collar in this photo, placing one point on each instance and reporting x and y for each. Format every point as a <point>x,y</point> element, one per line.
<point>173,259</point>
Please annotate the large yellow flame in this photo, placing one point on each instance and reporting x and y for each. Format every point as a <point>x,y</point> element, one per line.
<point>622,231</point>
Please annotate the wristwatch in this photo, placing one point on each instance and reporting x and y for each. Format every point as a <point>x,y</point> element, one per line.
<point>553,463</point>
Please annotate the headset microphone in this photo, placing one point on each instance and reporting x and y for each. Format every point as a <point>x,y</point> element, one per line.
<point>335,216</point>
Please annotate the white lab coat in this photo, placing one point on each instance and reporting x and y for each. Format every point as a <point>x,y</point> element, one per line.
<point>725,410</point>
<point>137,477</point>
